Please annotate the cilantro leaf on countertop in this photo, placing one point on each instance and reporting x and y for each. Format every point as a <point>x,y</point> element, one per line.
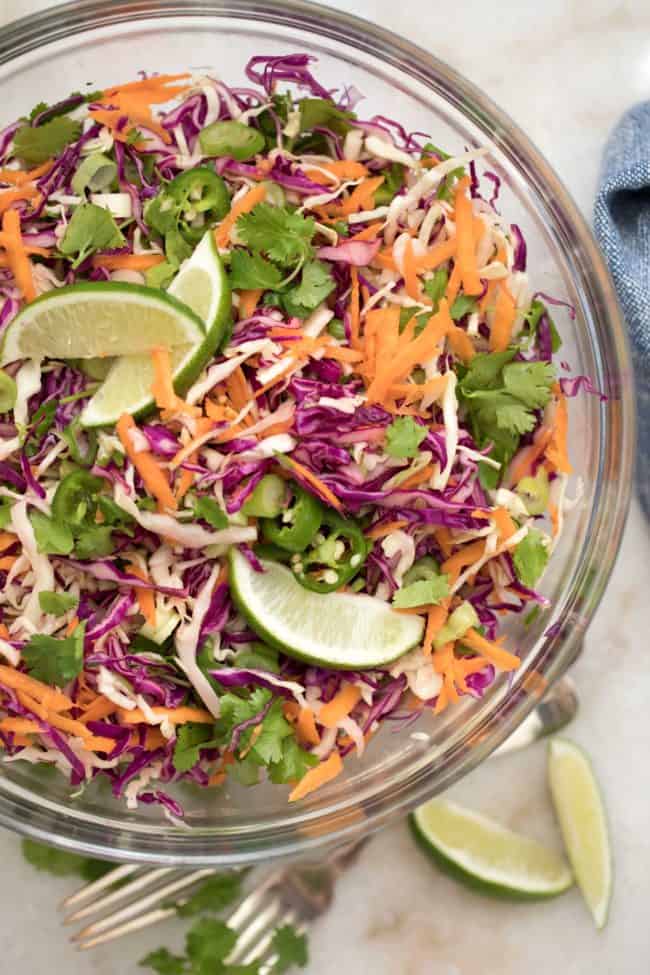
<point>57,603</point>
<point>531,556</point>
<point>91,228</point>
<point>163,962</point>
<point>283,235</point>
<point>290,948</point>
<point>422,592</point>
<point>404,436</point>
<point>252,271</point>
<point>214,894</point>
<point>315,285</point>
<point>35,145</point>
<point>61,863</point>
<point>209,942</point>
<point>55,661</point>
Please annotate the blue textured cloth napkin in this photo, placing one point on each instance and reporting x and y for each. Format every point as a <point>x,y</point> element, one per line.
<point>622,225</point>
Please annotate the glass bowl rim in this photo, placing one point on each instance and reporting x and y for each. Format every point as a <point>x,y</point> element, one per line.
<point>338,823</point>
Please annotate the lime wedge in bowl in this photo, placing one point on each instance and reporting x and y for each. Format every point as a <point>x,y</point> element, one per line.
<point>99,319</point>
<point>342,630</point>
<point>581,813</point>
<point>486,856</point>
<point>202,286</point>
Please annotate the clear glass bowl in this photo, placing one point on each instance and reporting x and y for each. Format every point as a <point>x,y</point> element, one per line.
<point>49,55</point>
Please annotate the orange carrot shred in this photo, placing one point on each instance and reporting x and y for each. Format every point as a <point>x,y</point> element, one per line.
<point>130,262</point>
<point>316,777</point>
<point>340,706</point>
<point>254,196</point>
<point>380,531</point>
<point>155,479</point>
<point>315,482</point>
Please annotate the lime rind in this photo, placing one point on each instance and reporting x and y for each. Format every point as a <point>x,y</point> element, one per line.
<point>486,856</point>
<point>203,273</point>
<point>340,630</point>
<point>580,810</point>
<point>57,325</point>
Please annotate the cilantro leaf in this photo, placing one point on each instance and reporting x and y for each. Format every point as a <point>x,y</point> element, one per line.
<point>253,271</point>
<point>93,541</point>
<point>275,728</point>
<point>282,234</point>
<point>177,249</point>
<point>393,182</point>
<point>91,228</point>
<point>295,763</point>
<point>533,317</point>
<point>37,145</point>
<point>57,603</point>
<point>208,942</point>
<point>315,285</point>
<point>512,416</point>
<point>323,113</point>
<point>530,557</point>
<point>52,537</point>
<point>5,512</point>
<point>290,948</point>
<point>436,286</point>
<point>208,510</point>
<point>160,276</point>
<point>38,109</point>
<point>55,661</point>
<point>422,592</point>
<point>484,371</point>
<point>463,305</point>
<point>404,436</point>
<point>190,738</point>
<point>213,895</point>
<point>60,863</point>
<point>163,962</point>
<point>530,382</point>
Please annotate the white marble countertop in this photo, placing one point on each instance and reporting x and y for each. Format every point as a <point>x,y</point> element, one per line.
<point>565,70</point>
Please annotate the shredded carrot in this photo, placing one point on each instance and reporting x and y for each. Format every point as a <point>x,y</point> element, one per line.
<point>72,626</point>
<point>100,708</point>
<point>7,562</point>
<point>341,354</point>
<point>555,518</point>
<point>49,697</point>
<point>12,241</point>
<point>411,282</point>
<point>556,451</point>
<point>4,632</point>
<point>453,285</point>
<point>504,318</point>
<point>41,710</point>
<point>461,344</point>
<point>410,353</point>
<point>155,479</point>
<point>248,302</point>
<point>278,428</point>
<point>361,198</point>
<point>7,539</point>
<point>18,177</point>
<point>384,259</point>
<point>339,707</point>
<point>254,196</point>
<point>523,462</point>
<point>145,597</point>
<point>315,482</point>
<point>9,197</point>
<point>238,391</point>
<point>492,651</point>
<point>316,777</point>
<point>380,531</point>
<point>163,384</point>
<point>412,392</point>
<point>504,523</point>
<point>354,308</point>
<point>368,233</point>
<point>305,723</point>
<point>129,262</point>
<point>345,169</point>
<point>173,715</point>
<point>133,101</point>
<point>438,254</point>
<point>420,477</point>
<point>436,619</point>
<point>25,726</point>
<point>466,245</point>
<point>465,556</point>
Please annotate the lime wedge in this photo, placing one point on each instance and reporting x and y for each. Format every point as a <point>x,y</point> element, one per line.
<point>346,631</point>
<point>486,856</point>
<point>202,285</point>
<point>581,813</point>
<point>84,321</point>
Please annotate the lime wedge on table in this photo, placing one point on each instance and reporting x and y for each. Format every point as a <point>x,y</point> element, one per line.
<point>202,285</point>
<point>93,319</point>
<point>580,811</point>
<point>486,856</point>
<point>339,630</point>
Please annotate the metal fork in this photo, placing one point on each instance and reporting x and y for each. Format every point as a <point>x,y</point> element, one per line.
<point>293,894</point>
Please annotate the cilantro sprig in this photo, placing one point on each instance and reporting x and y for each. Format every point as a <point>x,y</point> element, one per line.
<point>500,398</point>
<point>404,436</point>
<point>55,661</point>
